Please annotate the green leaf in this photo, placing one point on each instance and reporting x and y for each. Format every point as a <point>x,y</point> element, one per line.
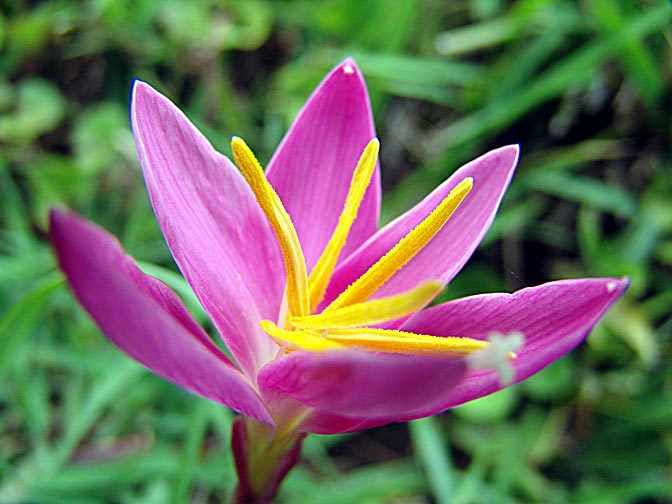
<point>17,323</point>
<point>587,191</point>
<point>431,450</point>
<point>40,108</point>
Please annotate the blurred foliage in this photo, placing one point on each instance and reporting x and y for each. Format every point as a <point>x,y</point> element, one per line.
<point>585,88</point>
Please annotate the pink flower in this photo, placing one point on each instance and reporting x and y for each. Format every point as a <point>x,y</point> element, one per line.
<point>248,262</point>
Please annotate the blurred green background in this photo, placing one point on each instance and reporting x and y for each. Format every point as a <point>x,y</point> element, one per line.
<point>583,86</point>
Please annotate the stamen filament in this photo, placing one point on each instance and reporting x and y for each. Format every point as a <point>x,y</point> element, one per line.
<point>298,340</point>
<point>371,312</point>
<point>391,341</point>
<point>297,280</point>
<point>407,248</point>
<point>361,178</point>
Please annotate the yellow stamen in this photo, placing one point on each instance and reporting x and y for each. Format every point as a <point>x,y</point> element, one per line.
<point>298,340</point>
<point>371,312</point>
<point>338,327</point>
<point>390,341</point>
<point>297,281</point>
<point>364,287</point>
<point>361,178</point>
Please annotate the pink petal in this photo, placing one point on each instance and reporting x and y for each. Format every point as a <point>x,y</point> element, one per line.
<point>145,318</point>
<point>312,167</point>
<point>216,231</point>
<point>289,411</point>
<point>553,317</point>
<point>327,422</point>
<point>321,422</point>
<point>447,252</point>
<point>364,385</point>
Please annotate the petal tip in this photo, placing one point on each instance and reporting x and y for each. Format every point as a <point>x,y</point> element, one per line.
<point>348,69</point>
<point>343,74</point>
<point>348,66</point>
<point>506,158</point>
<point>617,286</point>
<point>512,150</point>
<point>55,215</point>
<point>140,91</point>
<point>146,102</point>
<point>141,88</point>
<point>60,221</point>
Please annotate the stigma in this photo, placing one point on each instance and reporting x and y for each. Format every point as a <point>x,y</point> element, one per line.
<point>346,322</point>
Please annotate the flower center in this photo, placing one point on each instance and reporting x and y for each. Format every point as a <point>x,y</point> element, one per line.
<point>346,321</point>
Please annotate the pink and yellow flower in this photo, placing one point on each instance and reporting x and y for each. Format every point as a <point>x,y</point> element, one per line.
<point>323,313</point>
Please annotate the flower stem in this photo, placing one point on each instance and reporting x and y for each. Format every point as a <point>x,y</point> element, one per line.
<point>263,459</point>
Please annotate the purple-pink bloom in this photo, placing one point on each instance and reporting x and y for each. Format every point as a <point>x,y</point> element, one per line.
<point>225,247</point>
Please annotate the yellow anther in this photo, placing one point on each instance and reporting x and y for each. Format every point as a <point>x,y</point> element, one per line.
<point>364,287</point>
<point>390,341</point>
<point>371,312</point>
<point>297,281</point>
<point>298,340</point>
<point>361,178</point>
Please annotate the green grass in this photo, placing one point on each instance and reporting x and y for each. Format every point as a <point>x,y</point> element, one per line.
<point>584,87</point>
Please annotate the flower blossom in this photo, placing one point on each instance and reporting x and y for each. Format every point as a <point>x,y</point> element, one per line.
<point>324,315</point>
